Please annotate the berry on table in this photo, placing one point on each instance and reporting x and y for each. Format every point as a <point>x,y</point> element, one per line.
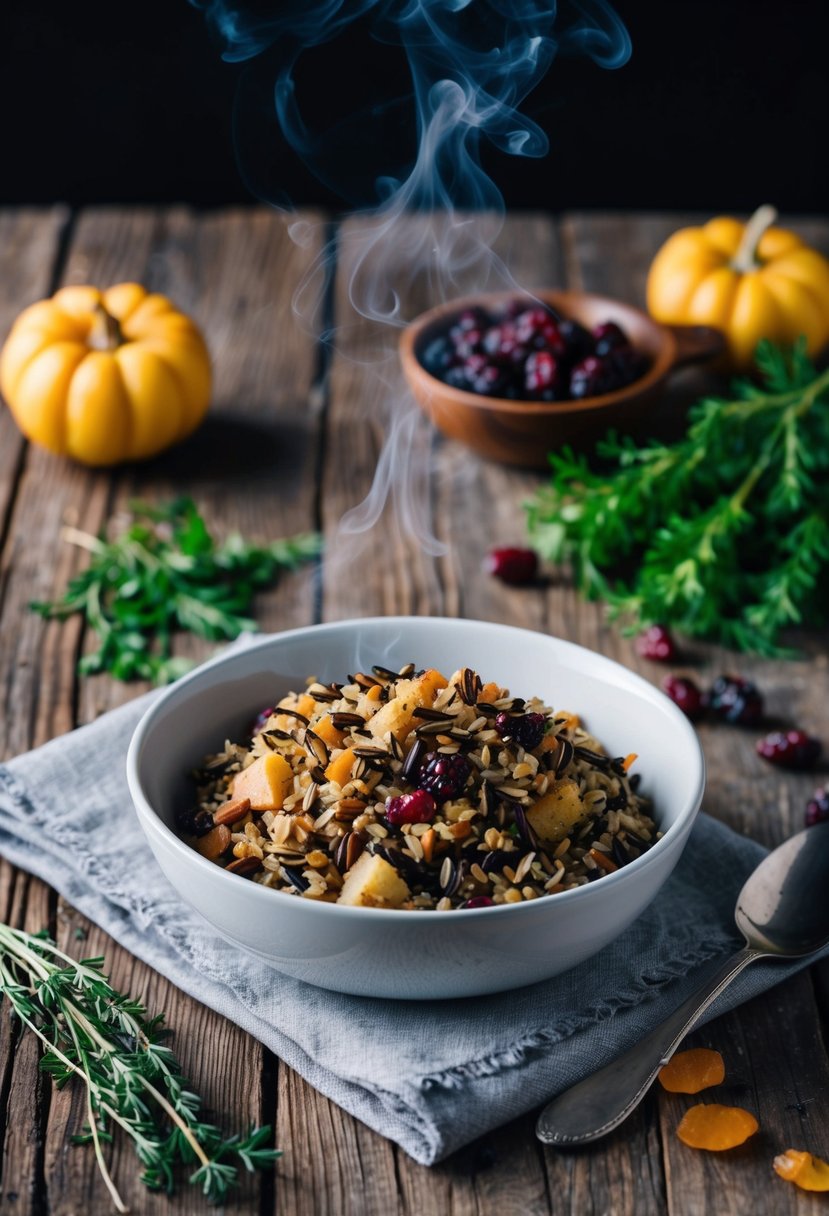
<point>789,748</point>
<point>735,700</point>
<point>817,808</point>
<point>443,777</point>
<point>512,565</point>
<point>656,643</point>
<point>685,694</point>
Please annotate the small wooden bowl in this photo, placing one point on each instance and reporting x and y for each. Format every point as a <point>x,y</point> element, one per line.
<point>523,432</point>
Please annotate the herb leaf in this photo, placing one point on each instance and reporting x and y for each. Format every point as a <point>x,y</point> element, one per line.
<point>724,534</point>
<point>132,1079</point>
<point>164,572</point>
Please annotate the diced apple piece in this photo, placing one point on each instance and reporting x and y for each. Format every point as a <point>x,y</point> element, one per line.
<point>555,815</point>
<point>339,769</point>
<point>373,883</point>
<point>267,782</point>
<point>328,732</point>
<point>397,716</point>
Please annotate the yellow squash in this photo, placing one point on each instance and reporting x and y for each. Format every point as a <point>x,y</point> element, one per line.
<point>105,377</point>
<point>751,280</point>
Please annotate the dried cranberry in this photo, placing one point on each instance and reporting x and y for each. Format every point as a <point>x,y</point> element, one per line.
<point>657,644</point>
<point>609,337</point>
<point>789,748</point>
<point>735,700</point>
<point>443,777</point>
<point>525,729</point>
<point>541,371</point>
<point>577,339</point>
<point>817,808</point>
<point>479,901</point>
<point>591,377</point>
<point>512,565</point>
<point>261,720</point>
<point>684,693</point>
<point>417,807</point>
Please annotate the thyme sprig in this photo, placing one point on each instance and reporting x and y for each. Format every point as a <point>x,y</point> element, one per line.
<point>132,1079</point>
<point>164,572</point>
<point>724,534</point>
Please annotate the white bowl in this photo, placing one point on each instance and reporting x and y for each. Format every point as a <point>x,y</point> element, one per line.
<point>416,955</point>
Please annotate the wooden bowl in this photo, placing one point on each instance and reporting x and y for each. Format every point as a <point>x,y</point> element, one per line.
<point>523,432</point>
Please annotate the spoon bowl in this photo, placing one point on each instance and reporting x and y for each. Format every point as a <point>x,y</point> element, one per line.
<point>782,912</point>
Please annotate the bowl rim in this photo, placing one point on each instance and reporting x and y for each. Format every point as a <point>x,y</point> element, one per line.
<point>151,820</point>
<point>653,377</point>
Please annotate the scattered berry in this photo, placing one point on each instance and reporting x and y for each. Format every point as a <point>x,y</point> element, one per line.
<point>817,808</point>
<point>657,644</point>
<point>512,565</point>
<point>443,777</point>
<point>735,700</point>
<point>479,901</point>
<point>526,729</point>
<point>789,748</point>
<point>417,807</point>
<point>684,693</point>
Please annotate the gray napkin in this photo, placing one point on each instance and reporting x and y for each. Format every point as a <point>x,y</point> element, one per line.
<point>431,1076</point>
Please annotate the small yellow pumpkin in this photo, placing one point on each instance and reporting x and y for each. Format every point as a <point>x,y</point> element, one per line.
<point>105,377</point>
<point>751,280</point>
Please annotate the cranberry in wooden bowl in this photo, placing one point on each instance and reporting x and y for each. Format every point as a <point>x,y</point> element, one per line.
<point>515,376</point>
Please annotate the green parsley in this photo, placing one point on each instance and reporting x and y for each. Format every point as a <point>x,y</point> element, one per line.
<point>162,573</point>
<point>133,1081</point>
<point>724,534</point>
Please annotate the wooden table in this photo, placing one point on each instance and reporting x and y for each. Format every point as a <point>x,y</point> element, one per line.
<point>291,443</point>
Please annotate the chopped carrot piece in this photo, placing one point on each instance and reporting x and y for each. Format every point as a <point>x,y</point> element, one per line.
<point>716,1128</point>
<point>373,693</point>
<point>328,732</point>
<point>489,693</point>
<point>691,1071</point>
<point>808,1172</point>
<point>629,761</point>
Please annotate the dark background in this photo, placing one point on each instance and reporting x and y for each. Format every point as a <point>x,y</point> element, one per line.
<point>723,105</point>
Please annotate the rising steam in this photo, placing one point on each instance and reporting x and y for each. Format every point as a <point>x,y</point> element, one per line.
<point>472,64</point>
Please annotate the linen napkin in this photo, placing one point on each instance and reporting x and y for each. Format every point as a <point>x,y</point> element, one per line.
<point>430,1075</point>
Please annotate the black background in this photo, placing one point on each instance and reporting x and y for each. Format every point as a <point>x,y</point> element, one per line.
<point>723,105</point>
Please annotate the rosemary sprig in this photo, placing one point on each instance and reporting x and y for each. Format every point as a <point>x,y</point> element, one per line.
<point>162,573</point>
<point>133,1081</point>
<point>724,534</point>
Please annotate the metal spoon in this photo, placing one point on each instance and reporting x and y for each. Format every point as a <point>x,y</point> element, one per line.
<point>782,912</point>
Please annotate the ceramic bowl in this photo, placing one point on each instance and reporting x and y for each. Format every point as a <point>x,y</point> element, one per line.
<point>395,953</point>
<point>523,432</point>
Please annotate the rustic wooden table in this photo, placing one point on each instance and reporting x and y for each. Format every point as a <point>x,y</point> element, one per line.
<point>291,443</point>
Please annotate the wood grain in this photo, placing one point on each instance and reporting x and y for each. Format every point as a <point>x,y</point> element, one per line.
<point>293,439</point>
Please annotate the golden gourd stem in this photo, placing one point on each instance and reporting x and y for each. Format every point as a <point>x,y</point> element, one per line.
<point>745,258</point>
<point>109,335</point>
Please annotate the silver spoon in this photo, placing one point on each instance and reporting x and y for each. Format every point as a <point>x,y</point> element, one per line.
<point>782,912</point>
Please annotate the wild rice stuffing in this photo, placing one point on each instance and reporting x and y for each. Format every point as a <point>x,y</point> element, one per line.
<point>408,790</point>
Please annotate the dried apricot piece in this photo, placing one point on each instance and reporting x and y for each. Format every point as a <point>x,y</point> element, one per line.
<point>690,1071</point>
<point>716,1128</point>
<point>808,1172</point>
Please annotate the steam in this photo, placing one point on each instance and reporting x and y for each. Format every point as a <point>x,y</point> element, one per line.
<point>472,64</point>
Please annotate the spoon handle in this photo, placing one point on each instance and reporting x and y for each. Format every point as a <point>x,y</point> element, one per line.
<point>599,1103</point>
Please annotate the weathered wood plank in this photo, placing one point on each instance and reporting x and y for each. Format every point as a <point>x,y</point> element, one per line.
<point>333,1166</point>
<point>248,469</point>
<point>29,250</point>
<point>612,253</point>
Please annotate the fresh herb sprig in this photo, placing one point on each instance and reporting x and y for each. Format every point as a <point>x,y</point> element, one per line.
<point>164,572</point>
<point>724,534</point>
<point>132,1080</point>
